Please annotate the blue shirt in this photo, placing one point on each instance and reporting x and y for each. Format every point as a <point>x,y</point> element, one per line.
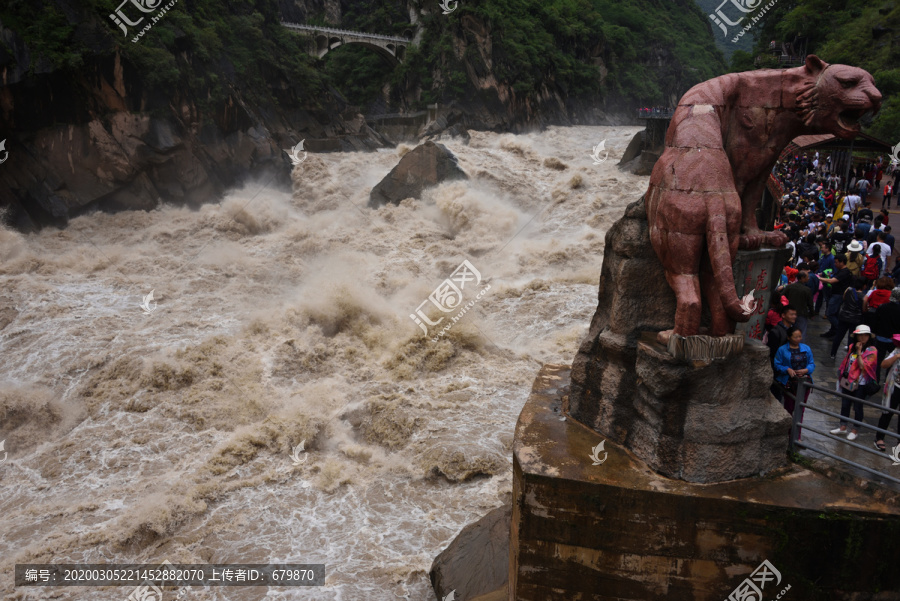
<point>827,262</point>
<point>813,283</point>
<point>783,358</point>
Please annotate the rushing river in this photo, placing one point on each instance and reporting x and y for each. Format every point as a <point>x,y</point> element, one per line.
<point>135,436</point>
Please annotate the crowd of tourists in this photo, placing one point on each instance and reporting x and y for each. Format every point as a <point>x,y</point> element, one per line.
<point>655,111</point>
<point>843,266</point>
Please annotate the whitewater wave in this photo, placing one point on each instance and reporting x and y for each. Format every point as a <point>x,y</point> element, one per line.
<point>280,318</point>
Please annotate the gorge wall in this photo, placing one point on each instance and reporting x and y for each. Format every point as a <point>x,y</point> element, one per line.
<point>210,95</point>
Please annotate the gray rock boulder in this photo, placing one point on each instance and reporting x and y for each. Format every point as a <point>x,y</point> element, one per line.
<point>425,166</point>
<point>477,561</point>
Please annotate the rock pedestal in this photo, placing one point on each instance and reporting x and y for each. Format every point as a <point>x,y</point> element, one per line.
<point>618,531</point>
<point>703,422</point>
<point>707,422</point>
<point>633,298</point>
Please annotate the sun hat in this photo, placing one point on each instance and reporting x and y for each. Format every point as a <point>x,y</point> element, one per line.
<point>854,246</point>
<point>862,329</point>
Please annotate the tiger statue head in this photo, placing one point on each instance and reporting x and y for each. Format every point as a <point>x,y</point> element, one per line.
<point>834,98</point>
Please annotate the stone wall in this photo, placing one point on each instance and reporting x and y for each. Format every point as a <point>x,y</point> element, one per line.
<point>619,532</point>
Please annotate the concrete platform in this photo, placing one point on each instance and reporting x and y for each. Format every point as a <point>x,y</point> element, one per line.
<point>618,531</point>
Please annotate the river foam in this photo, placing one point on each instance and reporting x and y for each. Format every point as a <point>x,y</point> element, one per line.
<point>284,317</point>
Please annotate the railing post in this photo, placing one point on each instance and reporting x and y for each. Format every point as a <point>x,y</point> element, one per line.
<point>798,411</point>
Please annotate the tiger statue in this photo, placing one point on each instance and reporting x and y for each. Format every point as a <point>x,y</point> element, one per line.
<point>723,141</point>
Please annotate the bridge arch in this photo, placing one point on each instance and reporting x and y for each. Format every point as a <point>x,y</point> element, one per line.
<point>326,39</point>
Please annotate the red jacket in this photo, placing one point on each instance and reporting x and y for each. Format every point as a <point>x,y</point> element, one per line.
<point>878,298</point>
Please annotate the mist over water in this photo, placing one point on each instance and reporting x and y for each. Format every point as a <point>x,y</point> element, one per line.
<point>282,318</point>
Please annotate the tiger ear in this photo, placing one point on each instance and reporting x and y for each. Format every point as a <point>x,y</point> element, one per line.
<point>814,64</point>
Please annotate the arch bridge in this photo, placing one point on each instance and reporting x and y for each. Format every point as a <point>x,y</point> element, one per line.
<point>326,39</point>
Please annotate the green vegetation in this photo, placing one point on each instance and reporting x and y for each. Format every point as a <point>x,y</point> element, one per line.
<point>852,32</point>
<point>358,72</point>
<point>621,52</point>
<point>652,50</point>
<point>221,44</point>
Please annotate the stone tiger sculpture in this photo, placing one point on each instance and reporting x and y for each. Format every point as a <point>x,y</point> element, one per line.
<point>724,138</point>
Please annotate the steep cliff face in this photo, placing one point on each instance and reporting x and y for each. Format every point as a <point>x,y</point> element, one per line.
<point>99,113</point>
<point>518,65</point>
<point>493,102</point>
<point>108,135</point>
<point>307,11</point>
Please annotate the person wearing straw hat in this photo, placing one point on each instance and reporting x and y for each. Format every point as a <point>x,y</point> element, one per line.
<point>855,257</point>
<point>890,393</point>
<point>856,374</point>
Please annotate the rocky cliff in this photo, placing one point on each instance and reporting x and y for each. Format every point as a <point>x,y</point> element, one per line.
<point>116,124</point>
<point>100,114</point>
<point>517,66</point>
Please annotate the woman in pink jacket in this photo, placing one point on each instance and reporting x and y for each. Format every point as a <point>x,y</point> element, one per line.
<point>857,370</point>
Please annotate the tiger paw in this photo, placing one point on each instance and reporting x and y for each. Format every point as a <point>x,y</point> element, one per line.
<point>776,239</point>
<point>751,241</point>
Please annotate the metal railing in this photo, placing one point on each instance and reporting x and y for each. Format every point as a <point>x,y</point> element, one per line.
<point>345,32</point>
<point>655,113</point>
<point>396,116</point>
<point>797,422</point>
<point>791,60</point>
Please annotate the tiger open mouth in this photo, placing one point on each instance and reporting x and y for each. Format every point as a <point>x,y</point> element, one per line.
<point>850,119</point>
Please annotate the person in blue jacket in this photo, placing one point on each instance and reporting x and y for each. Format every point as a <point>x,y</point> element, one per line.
<point>793,362</point>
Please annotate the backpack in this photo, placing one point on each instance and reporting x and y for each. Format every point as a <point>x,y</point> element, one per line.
<point>777,336</point>
<point>851,308</point>
<point>872,267</point>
